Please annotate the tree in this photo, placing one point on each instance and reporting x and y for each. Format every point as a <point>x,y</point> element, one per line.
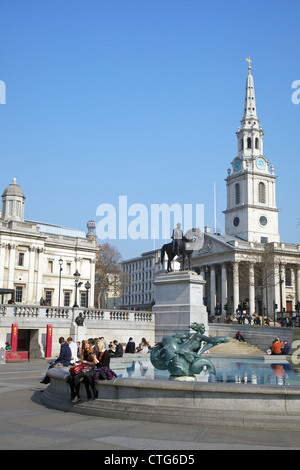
<point>266,273</point>
<point>107,262</point>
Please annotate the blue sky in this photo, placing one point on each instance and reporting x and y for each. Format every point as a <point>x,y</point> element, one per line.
<point>143,98</point>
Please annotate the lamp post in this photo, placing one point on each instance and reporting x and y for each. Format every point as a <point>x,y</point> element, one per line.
<point>87,285</point>
<point>77,284</point>
<point>60,262</point>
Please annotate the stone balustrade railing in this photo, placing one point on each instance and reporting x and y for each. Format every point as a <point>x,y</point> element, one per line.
<point>46,312</point>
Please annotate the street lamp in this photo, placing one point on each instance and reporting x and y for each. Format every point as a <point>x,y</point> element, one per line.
<point>77,284</point>
<point>60,262</point>
<point>87,285</point>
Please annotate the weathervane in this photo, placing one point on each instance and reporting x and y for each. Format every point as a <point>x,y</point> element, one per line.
<point>249,62</point>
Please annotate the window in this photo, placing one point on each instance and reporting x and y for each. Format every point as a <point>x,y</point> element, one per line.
<point>50,266</point>
<point>67,296</point>
<point>18,208</point>
<point>249,143</point>
<point>21,259</point>
<point>257,143</point>
<point>10,208</point>
<point>242,144</point>
<point>68,268</point>
<point>48,297</point>
<point>288,277</point>
<point>83,299</point>
<point>19,293</point>
<point>262,193</point>
<point>263,239</point>
<point>237,194</point>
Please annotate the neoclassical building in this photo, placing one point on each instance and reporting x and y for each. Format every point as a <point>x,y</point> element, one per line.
<point>38,260</point>
<point>249,267</point>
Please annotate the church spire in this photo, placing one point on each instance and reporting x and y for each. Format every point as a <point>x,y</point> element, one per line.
<point>249,104</point>
<point>250,134</point>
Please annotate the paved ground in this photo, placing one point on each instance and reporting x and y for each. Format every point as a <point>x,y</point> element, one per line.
<point>26,424</point>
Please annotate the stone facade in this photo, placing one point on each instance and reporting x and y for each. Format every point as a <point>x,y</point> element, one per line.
<point>30,254</point>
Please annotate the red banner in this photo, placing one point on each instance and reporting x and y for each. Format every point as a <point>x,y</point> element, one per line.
<point>14,337</point>
<point>49,341</point>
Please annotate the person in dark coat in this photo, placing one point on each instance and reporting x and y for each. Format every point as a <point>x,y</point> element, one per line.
<point>64,358</point>
<point>119,349</point>
<point>286,348</point>
<point>130,346</point>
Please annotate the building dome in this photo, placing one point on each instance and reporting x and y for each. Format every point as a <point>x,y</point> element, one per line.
<point>14,190</point>
<point>13,201</point>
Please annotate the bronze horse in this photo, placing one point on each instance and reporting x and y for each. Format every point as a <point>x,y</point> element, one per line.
<point>192,240</point>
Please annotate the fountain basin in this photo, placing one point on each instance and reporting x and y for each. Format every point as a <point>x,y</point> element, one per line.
<point>160,400</point>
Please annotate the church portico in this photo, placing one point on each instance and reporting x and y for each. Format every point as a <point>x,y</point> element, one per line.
<point>252,277</point>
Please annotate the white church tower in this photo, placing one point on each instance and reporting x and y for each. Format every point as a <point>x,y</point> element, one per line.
<point>251,212</point>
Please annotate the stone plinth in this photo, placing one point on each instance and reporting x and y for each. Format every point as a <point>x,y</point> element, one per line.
<point>178,303</point>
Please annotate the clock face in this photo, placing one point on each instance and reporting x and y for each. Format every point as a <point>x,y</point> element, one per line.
<point>237,165</point>
<point>263,220</point>
<point>236,221</point>
<point>260,163</point>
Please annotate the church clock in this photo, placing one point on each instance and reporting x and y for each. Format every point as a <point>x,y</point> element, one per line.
<point>260,163</point>
<point>237,165</point>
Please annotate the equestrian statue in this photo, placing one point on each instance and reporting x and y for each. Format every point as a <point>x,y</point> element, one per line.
<point>182,245</point>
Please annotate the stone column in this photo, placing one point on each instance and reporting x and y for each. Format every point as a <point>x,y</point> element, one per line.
<point>30,290</point>
<point>223,287</point>
<point>297,284</point>
<point>39,289</point>
<point>212,289</point>
<point>236,287</point>
<point>92,281</point>
<point>2,262</point>
<point>251,289</point>
<point>282,287</point>
<point>11,267</point>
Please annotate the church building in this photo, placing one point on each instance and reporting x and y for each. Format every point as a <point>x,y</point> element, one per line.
<point>249,268</point>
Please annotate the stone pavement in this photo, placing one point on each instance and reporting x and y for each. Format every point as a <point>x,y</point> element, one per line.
<point>25,424</point>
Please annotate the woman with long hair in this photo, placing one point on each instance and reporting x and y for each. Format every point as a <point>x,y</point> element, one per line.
<point>89,360</point>
<point>102,354</point>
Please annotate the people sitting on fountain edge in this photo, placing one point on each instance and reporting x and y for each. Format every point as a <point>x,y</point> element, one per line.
<point>130,346</point>
<point>286,348</point>
<point>64,358</point>
<point>277,346</point>
<point>89,360</point>
<point>118,351</point>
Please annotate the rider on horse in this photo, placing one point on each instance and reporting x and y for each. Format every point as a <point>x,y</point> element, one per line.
<point>177,237</point>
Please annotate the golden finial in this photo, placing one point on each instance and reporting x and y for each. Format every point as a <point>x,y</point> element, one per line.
<point>249,62</point>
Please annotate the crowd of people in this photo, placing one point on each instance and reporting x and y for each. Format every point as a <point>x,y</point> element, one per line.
<point>89,362</point>
<point>246,319</point>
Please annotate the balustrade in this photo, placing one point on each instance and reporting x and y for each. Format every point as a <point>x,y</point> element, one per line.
<point>91,314</point>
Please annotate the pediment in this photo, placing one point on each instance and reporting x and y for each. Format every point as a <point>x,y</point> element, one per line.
<point>214,244</point>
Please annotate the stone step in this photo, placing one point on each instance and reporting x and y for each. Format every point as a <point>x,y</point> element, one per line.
<point>236,347</point>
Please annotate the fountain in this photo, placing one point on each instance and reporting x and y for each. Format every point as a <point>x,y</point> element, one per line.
<point>181,354</point>
<point>182,397</point>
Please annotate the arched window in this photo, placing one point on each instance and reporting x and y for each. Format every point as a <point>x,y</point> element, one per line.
<point>257,143</point>
<point>249,143</point>
<point>242,144</point>
<point>237,194</point>
<point>262,193</point>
